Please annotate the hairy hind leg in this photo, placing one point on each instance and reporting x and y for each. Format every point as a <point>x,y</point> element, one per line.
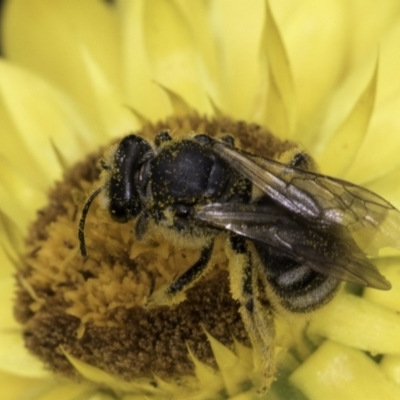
<point>257,317</point>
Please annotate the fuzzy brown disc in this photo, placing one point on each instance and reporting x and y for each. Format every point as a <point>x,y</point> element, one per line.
<point>93,308</point>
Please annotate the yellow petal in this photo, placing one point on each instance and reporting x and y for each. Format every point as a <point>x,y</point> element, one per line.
<point>391,367</point>
<point>378,155</point>
<point>244,353</point>
<point>135,397</point>
<point>64,23</point>
<point>357,322</point>
<point>343,99</point>
<point>388,187</point>
<point>280,107</point>
<point>15,150</point>
<point>234,372</point>
<point>315,33</point>
<point>99,376</point>
<point>15,387</point>
<point>141,93</point>
<point>47,113</point>
<point>174,61</point>
<point>179,105</point>
<point>103,396</point>
<point>389,60</point>
<point>116,117</point>
<point>237,29</point>
<point>68,391</point>
<point>7,294</point>
<point>206,44</point>
<point>7,267</point>
<point>15,358</point>
<point>168,387</point>
<point>245,396</point>
<point>19,199</point>
<point>338,372</point>
<point>371,20</point>
<point>11,239</point>
<point>342,148</point>
<point>206,376</point>
<point>390,268</point>
<point>56,36</point>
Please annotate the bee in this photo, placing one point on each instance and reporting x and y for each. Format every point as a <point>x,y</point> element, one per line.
<point>293,234</point>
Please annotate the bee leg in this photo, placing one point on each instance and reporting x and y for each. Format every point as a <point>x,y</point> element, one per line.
<point>257,317</point>
<point>175,292</point>
<point>298,158</point>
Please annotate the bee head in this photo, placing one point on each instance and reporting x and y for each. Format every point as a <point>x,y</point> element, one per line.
<point>125,185</point>
<point>127,178</point>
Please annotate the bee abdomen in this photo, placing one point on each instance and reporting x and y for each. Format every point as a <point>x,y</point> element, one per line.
<point>299,288</point>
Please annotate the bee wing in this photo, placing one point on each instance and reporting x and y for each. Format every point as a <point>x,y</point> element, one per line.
<point>372,221</point>
<point>331,252</point>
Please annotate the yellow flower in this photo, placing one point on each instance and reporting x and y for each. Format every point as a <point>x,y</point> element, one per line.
<point>78,74</point>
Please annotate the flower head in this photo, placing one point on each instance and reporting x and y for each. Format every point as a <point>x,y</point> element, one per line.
<point>317,72</point>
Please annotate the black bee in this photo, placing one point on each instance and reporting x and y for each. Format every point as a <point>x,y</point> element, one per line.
<point>297,232</point>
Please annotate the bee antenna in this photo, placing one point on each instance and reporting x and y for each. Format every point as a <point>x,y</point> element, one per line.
<point>81,228</point>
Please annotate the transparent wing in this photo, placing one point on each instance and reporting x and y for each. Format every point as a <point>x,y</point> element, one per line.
<point>331,251</point>
<point>372,221</point>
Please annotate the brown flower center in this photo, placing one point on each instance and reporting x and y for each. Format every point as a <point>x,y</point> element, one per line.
<point>94,307</point>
